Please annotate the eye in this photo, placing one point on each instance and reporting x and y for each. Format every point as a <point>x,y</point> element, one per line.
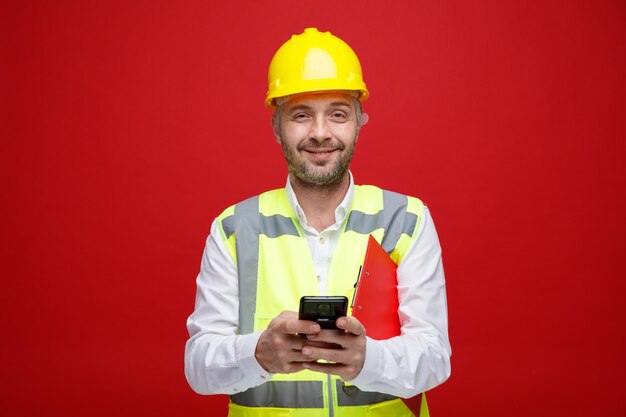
<point>300,116</point>
<point>339,115</point>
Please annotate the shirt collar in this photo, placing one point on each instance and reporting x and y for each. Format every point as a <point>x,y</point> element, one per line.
<point>340,212</point>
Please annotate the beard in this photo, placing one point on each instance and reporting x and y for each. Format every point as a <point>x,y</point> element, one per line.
<point>322,174</point>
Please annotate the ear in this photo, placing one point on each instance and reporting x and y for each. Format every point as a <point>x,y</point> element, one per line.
<point>272,124</point>
<point>364,119</point>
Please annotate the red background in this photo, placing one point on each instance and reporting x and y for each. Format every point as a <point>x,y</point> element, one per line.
<point>128,126</point>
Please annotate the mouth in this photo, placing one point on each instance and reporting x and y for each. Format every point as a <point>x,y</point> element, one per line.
<point>320,154</point>
<point>320,151</point>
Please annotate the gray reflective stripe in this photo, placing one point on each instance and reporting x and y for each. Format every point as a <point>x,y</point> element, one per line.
<point>277,225</point>
<point>248,224</point>
<point>247,234</point>
<point>364,223</point>
<point>228,224</point>
<point>283,394</point>
<point>305,394</point>
<point>393,218</point>
<point>331,406</point>
<point>352,396</point>
<point>395,212</point>
<point>271,226</point>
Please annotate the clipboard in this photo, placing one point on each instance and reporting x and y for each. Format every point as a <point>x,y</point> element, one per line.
<point>375,302</point>
<point>375,305</point>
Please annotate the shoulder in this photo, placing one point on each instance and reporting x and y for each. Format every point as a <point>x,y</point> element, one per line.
<point>246,209</point>
<point>251,205</point>
<point>373,193</point>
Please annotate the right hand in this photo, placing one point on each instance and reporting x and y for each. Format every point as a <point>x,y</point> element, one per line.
<point>279,349</point>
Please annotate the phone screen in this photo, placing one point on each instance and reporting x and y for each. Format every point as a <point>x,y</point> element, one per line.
<point>325,310</point>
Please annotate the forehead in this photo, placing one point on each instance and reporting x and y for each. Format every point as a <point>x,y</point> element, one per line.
<point>320,101</point>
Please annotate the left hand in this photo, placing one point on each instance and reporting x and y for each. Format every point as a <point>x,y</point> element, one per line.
<point>347,359</point>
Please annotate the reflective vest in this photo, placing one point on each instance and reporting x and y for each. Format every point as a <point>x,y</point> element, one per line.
<point>275,269</point>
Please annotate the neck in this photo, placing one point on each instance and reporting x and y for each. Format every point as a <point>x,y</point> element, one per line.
<point>319,202</point>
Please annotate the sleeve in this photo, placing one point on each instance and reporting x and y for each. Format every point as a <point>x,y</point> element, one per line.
<point>217,359</point>
<point>419,359</point>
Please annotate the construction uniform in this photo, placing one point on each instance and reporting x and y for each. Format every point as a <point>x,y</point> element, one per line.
<point>275,261</point>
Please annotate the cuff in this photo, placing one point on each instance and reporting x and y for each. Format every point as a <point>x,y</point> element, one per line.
<point>370,371</point>
<point>246,346</point>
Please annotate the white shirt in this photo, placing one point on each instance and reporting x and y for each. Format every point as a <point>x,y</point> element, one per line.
<point>322,244</point>
<point>218,360</point>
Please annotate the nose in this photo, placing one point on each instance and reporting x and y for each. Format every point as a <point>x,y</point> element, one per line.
<point>320,129</point>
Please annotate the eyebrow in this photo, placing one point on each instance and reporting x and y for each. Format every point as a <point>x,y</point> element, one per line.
<point>340,104</point>
<point>306,107</point>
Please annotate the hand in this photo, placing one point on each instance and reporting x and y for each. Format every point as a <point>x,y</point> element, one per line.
<point>348,359</point>
<point>279,349</point>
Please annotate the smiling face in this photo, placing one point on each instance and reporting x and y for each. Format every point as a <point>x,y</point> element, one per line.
<point>318,133</point>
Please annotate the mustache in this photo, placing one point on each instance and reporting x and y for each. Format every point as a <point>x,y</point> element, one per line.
<point>317,146</point>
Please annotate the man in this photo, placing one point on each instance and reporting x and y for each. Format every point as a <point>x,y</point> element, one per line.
<point>309,238</point>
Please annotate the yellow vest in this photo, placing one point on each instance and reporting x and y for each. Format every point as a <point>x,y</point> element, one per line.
<point>275,269</point>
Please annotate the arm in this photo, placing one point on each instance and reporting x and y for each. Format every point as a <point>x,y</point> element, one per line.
<point>419,359</point>
<point>414,362</point>
<point>217,359</point>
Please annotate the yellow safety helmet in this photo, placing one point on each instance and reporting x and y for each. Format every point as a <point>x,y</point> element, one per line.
<point>314,61</point>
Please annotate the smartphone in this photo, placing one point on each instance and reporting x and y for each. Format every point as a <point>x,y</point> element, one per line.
<point>325,310</point>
